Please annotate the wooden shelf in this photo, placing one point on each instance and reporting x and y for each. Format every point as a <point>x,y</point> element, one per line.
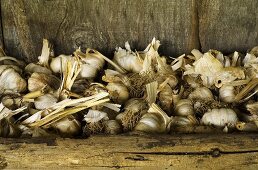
<point>205,151</point>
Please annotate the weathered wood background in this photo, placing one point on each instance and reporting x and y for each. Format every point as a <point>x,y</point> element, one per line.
<point>225,151</point>
<point>181,25</point>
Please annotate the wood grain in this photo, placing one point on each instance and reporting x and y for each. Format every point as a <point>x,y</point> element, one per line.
<point>228,25</point>
<point>101,24</point>
<point>226,151</point>
<point>1,30</point>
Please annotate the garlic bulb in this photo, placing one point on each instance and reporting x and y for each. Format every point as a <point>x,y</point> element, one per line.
<point>184,121</point>
<point>223,117</point>
<point>155,121</point>
<point>58,63</point>
<point>134,109</point>
<point>7,129</point>
<point>94,116</point>
<point>118,92</point>
<point>202,93</point>
<point>92,63</point>
<point>127,59</point>
<point>112,127</point>
<point>45,101</point>
<point>38,81</point>
<point>11,81</point>
<point>68,126</point>
<point>227,93</point>
<point>5,67</point>
<point>31,68</point>
<point>12,102</point>
<point>166,98</point>
<point>184,107</point>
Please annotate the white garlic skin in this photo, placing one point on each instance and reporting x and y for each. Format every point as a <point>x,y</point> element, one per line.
<point>92,64</point>
<point>119,117</point>
<point>227,93</point>
<point>118,92</point>
<point>166,98</point>
<point>88,71</point>
<point>11,81</point>
<point>59,61</point>
<point>45,101</point>
<point>37,81</point>
<point>67,126</point>
<point>220,117</point>
<point>128,60</point>
<point>203,93</point>
<point>151,123</point>
<point>184,107</point>
<point>31,68</point>
<point>184,121</point>
<point>5,67</point>
<point>112,127</point>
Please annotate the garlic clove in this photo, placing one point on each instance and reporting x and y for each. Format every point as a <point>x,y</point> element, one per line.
<point>202,93</point>
<point>11,82</point>
<point>150,123</point>
<point>94,116</point>
<point>92,63</point>
<point>184,107</point>
<point>31,68</point>
<point>5,67</point>
<point>57,64</point>
<point>12,102</point>
<point>227,93</point>
<point>118,92</point>
<point>184,121</point>
<point>127,59</point>
<point>45,101</point>
<point>68,126</point>
<point>155,121</point>
<point>112,127</point>
<point>38,81</point>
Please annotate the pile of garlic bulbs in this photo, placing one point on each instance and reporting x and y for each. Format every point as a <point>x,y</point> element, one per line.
<point>88,93</point>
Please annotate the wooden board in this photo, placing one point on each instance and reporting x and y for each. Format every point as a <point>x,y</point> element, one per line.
<point>1,31</point>
<point>102,24</point>
<point>228,25</point>
<point>224,151</point>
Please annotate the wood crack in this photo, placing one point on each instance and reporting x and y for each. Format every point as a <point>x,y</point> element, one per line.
<point>214,153</point>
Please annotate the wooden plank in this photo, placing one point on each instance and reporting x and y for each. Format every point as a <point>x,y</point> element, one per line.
<point>228,25</point>
<point>102,24</point>
<point>1,30</point>
<point>225,151</point>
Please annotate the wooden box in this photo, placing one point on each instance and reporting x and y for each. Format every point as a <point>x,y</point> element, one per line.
<point>180,25</point>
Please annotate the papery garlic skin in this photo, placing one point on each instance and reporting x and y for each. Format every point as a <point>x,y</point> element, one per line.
<point>11,81</point>
<point>68,126</point>
<point>31,68</point>
<point>151,123</point>
<point>58,63</point>
<point>220,118</point>
<point>118,92</point>
<point>166,98</point>
<point>184,107</point>
<point>45,101</point>
<point>38,81</point>
<point>92,63</point>
<point>184,121</point>
<point>155,121</point>
<point>112,127</point>
<point>202,93</point>
<point>128,59</point>
<point>227,93</point>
